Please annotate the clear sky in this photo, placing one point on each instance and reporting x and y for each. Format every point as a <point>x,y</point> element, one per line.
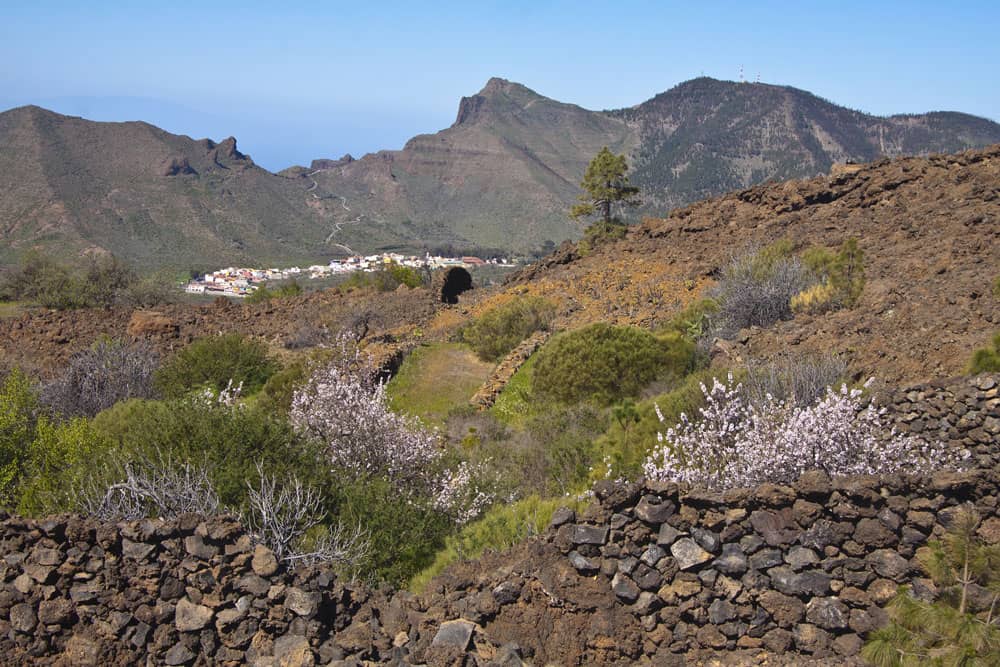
<point>296,81</point>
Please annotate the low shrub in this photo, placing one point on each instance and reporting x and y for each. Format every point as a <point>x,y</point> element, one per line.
<point>404,534</point>
<point>18,419</point>
<point>695,320</point>
<point>59,461</point>
<point>385,279</point>
<point>599,233</point>
<point>841,279</point>
<point>498,330</point>
<point>264,293</point>
<point>987,359</point>
<point>550,455</point>
<point>95,379</point>
<point>604,363</point>
<point>619,453</point>
<point>798,380</point>
<point>227,440</point>
<point>213,363</point>
<point>756,288</point>
<point>816,299</point>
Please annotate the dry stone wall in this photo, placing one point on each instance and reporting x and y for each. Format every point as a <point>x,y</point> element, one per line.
<point>648,572</point>
<point>964,412</point>
<point>803,568</point>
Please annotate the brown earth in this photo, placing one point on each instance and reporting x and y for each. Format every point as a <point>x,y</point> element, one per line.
<point>42,340</point>
<point>929,228</point>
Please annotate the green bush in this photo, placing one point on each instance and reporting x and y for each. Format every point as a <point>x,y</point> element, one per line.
<point>841,277</point>
<point>622,449</point>
<point>405,533</point>
<point>987,359</point>
<point>604,363</point>
<point>275,397</point>
<point>58,463</point>
<point>599,233</point>
<point>847,275</point>
<point>693,321</point>
<point>229,441</point>
<point>18,418</point>
<point>501,528</point>
<point>385,279</point>
<point>212,362</point>
<point>42,462</point>
<point>498,330</point>
<point>551,454</point>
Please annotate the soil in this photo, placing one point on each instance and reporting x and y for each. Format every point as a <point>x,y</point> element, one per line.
<point>929,229</point>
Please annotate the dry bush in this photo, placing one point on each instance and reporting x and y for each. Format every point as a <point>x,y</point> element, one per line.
<point>109,372</point>
<point>793,379</point>
<point>150,487</point>
<point>756,289</point>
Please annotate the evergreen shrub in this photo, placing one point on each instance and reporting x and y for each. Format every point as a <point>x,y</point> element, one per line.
<point>498,330</point>
<point>604,363</point>
<point>213,363</point>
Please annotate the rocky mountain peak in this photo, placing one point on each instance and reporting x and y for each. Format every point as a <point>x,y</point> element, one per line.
<point>498,95</point>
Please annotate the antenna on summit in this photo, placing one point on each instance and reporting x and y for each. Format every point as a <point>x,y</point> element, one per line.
<point>741,75</point>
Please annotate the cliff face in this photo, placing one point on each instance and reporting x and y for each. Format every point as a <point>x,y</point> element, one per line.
<point>795,575</point>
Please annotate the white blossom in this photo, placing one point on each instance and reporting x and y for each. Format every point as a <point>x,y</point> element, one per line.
<point>344,406</point>
<point>735,443</point>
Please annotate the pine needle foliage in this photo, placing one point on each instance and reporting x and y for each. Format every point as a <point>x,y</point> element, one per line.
<point>958,629</point>
<point>606,187</point>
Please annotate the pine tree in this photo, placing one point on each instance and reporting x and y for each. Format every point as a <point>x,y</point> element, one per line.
<point>953,629</point>
<point>606,187</point>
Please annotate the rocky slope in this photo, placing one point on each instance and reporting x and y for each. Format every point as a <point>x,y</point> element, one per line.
<point>502,176</point>
<point>930,232</point>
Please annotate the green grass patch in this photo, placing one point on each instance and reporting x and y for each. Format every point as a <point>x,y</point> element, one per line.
<point>500,528</point>
<point>436,378</point>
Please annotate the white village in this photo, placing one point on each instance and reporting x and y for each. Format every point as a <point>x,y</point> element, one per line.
<point>242,281</point>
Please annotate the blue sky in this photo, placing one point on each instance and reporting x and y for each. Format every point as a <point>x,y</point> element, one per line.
<point>320,79</point>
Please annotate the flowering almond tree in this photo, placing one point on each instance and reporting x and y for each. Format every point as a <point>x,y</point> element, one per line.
<point>735,443</point>
<point>344,406</point>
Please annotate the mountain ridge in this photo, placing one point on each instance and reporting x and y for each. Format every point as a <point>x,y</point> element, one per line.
<point>502,175</point>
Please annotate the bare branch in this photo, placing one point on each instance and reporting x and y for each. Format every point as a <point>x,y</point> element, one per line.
<point>152,489</point>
